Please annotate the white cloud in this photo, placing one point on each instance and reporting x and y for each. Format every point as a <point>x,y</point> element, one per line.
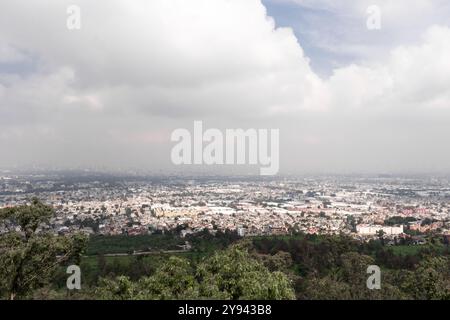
<point>136,70</point>
<point>413,76</point>
<point>160,55</point>
<point>10,55</point>
<point>336,31</point>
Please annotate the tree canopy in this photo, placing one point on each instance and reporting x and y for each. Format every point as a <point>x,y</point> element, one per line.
<point>29,256</point>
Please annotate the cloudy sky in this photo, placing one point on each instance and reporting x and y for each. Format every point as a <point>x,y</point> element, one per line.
<point>345,98</point>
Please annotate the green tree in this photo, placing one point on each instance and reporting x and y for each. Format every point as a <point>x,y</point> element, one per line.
<point>229,274</point>
<point>326,288</point>
<point>381,234</point>
<point>120,288</point>
<point>237,275</point>
<point>281,261</point>
<point>354,273</point>
<point>430,280</point>
<point>173,280</point>
<point>29,257</point>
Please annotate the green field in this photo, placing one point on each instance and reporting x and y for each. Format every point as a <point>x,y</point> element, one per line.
<point>129,244</point>
<point>405,250</point>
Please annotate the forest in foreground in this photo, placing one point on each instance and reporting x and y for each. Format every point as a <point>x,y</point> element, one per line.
<point>33,265</point>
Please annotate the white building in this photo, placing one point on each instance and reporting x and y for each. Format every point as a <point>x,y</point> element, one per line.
<point>373,230</point>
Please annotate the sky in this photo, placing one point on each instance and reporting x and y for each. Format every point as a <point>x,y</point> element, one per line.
<point>346,99</point>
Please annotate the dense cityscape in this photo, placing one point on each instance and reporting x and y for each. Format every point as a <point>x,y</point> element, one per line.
<point>228,156</point>
<point>363,207</point>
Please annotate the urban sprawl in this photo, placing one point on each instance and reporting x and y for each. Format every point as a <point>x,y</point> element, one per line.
<point>362,207</point>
